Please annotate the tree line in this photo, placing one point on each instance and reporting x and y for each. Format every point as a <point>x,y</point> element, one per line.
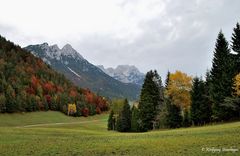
<point>185,101</point>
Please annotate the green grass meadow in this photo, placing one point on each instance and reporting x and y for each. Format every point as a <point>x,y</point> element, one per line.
<point>58,134</point>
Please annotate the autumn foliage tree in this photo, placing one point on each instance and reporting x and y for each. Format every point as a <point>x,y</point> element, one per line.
<point>178,90</point>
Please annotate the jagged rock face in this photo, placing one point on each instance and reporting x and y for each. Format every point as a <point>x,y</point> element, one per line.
<point>70,63</point>
<point>125,74</point>
<point>54,52</point>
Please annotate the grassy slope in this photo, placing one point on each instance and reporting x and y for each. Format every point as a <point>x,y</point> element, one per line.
<point>93,138</point>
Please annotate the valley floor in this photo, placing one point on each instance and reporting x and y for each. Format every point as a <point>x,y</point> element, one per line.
<point>53,133</point>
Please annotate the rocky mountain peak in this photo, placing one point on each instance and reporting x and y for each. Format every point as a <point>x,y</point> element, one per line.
<point>69,51</point>
<point>54,47</point>
<point>125,73</point>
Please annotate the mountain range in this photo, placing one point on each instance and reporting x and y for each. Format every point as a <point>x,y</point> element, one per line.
<point>125,74</point>
<point>82,73</point>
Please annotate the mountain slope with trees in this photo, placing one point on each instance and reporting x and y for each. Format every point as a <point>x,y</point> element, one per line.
<point>28,84</point>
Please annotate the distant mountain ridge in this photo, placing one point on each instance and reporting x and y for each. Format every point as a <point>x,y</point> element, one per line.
<point>84,74</point>
<point>125,74</point>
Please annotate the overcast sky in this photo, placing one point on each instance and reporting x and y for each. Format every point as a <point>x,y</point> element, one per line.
<point>150,34</point>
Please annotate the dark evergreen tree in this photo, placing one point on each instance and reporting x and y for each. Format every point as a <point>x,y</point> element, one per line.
<point>111,121</point>
<point>201,106</point>
<point>236,39</point>
<point>236,47</point>
<point>150,100</point>
<point>135,120</point>
<point>174,117</point>
<point>124,120</point>
<point>221,76</point>
<point>167,80</point>
<point>208,100</point>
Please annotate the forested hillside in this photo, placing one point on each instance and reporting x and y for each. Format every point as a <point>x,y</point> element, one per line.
<point>28,84</point>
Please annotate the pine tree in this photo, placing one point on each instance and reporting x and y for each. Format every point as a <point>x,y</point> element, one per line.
<point>167,80</point>
<point>150,100</point>
<point>236,39</point>
<point>124,120</point>
<point>111,123</point>
<point>221,76</point>
<point>208,100</point>
<point>135,119</point>
<point>200,108</point>
<point>196,100</point>
<point>236,47</point>
<point>174,118</point>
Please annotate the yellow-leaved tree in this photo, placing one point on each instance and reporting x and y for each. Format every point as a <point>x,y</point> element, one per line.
<point>179,87</point>
<point>72,109</point>
<point>237,85</point>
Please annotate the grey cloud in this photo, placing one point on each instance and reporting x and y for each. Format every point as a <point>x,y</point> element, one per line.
<point>182,38</point>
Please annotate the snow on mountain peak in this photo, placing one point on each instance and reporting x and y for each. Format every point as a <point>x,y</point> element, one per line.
<point>68,50</point>
<point>54,47</point>
<point>54,52</point>
<point>125,74</point>
<point>67,47</point>
<point>45,44</point>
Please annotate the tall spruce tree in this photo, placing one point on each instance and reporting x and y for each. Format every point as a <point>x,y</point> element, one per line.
<point>207,102</point>
<point>236,47</point>
<point>164,111</point>
<point>196,100</point>
<point>167,80</point>
<point>150,100</point>
<point>200,108</point>
<point>221,76</point>
<point>124,120</point>
<point>174,117</point>
<point>135,119</point>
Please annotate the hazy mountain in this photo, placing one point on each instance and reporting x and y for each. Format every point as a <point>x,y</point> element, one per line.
<point>69,62</point>
<point>125,74</point>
